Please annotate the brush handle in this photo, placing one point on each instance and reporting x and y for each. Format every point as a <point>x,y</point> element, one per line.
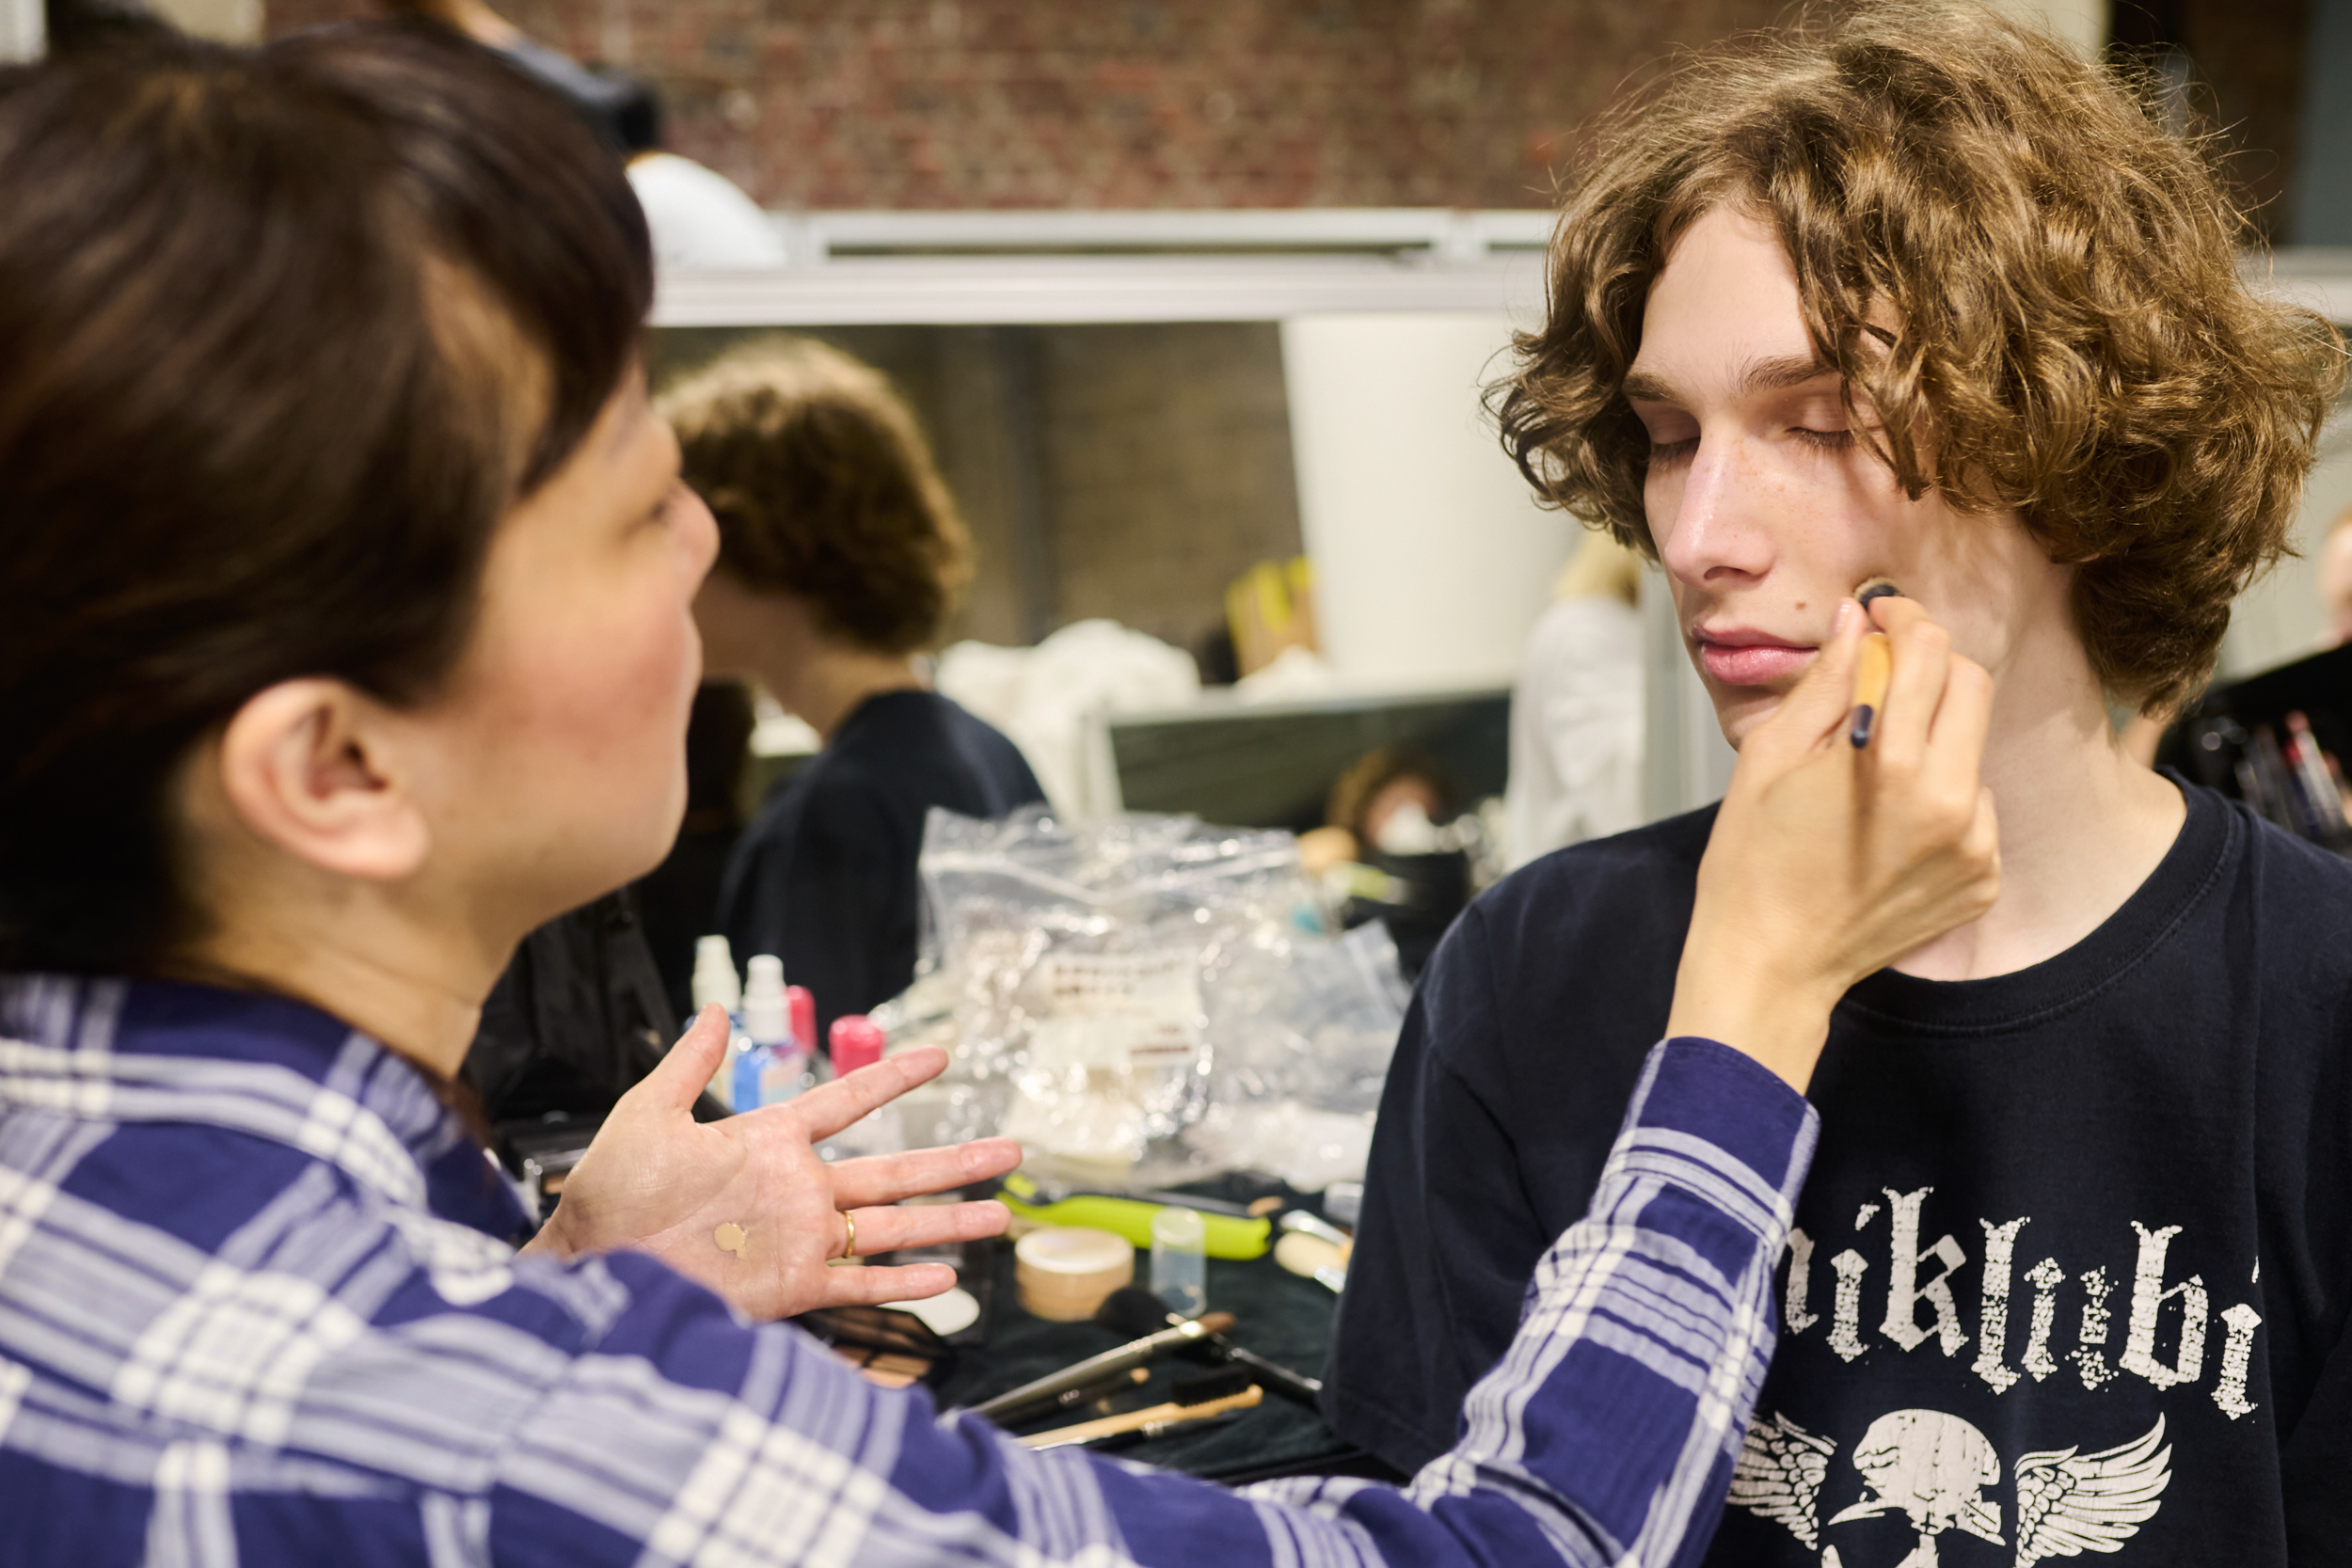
<point>1046,1390</point>
<point>1135,1420</point>
<point>1873,666</point>
<point>1298,1385</point>
<point>1101,1388</point>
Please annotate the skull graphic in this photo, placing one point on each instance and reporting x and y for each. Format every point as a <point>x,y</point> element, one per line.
<point>1932,1468</point>
<point>1935,1468</point>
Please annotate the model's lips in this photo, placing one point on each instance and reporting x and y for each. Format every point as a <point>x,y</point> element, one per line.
<point>1735,655</point>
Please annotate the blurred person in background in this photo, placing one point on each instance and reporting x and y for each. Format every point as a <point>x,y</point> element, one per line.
<point>602,102</point>
<point>1387,841</point>
<point>1391,797</point>
<point>2335,582</point>
<point>346,617</point>
<point>675,899</point>
<point>698,216</point>
<point>840,556</point>
<point>1576,719</point>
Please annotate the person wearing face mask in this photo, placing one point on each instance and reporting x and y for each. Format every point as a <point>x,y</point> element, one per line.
<point>381,654</point>
<point>1921,293</point>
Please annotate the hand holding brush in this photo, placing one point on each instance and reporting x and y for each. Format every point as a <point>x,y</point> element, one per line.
<point>1842,844</point>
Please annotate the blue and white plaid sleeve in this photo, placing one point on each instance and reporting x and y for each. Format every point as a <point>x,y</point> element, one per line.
<point>237,1327</point>
<point>1607,1434</point>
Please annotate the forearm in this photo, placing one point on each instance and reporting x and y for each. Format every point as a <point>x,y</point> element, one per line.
<point>1608,1431</point>
<point>1605,1435</point>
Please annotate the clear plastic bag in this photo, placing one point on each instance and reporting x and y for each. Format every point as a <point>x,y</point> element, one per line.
<point>1141,999</point>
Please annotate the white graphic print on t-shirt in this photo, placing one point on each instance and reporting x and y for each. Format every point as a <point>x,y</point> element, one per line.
<point>1934,1467</point>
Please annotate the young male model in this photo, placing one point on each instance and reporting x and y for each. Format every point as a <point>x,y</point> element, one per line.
<point>1929,297</point>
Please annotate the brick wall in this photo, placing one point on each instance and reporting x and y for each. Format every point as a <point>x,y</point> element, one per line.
<point>1122,103</point>
<point>1225,102</point>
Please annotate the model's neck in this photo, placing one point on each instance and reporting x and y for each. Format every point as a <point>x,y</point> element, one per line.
<point>2082,827</point>
<point>823,683</point>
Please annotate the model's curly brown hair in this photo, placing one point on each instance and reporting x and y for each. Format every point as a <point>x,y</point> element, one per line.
<point>2072,339</point>
<point>824,488</point>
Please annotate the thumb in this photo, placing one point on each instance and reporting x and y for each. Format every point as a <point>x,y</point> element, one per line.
<point>1820,700</point>
<point>683,1072</point>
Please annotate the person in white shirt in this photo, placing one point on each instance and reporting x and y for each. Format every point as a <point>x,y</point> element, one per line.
<point>1576,717</point>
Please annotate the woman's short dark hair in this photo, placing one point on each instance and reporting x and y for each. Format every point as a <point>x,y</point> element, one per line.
<point>2075,342</point>
<point>823,487</point>
<point>283,334</point>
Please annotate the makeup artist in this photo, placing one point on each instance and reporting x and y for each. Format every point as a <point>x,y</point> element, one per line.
<point>345,635</point>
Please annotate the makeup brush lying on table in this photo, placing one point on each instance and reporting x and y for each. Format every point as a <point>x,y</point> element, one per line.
<point>1195,1399</point>
<point>1043,1396</point>
<point>1134,1311</point>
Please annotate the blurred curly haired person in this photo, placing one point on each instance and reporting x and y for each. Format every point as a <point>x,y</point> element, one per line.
<point>841,555</point>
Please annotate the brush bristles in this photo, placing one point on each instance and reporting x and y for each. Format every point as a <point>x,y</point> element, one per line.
<point>1877,588</point>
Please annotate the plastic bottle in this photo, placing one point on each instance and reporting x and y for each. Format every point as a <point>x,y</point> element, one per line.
<point>801,1005</point>
<point>771,1066</point>
<point>715,980</point>
<point>1180,1259</point>
<point>857,1041</point>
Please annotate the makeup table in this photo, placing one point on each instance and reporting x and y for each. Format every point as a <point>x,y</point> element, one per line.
<point>1281,1316</point>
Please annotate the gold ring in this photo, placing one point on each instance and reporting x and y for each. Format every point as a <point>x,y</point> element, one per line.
<point>848,1239</point>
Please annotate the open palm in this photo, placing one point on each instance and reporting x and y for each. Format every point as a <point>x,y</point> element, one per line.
<point>657,1181</point>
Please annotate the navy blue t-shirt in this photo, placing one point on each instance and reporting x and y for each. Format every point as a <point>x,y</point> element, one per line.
<point>825,875</point>
<point>2071,1270</point>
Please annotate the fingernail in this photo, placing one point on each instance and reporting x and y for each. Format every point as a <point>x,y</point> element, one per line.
<point>1843,619</point>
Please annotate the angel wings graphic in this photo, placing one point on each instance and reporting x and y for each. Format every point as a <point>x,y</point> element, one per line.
<point>1932,1467</point>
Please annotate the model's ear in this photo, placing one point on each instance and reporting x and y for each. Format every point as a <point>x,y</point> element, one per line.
<point>307,767</point>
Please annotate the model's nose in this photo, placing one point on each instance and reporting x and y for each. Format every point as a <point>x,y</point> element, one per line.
<point>1717,531</point>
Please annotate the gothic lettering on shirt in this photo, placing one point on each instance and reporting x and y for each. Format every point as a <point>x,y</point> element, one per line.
<point>2168,1321</point>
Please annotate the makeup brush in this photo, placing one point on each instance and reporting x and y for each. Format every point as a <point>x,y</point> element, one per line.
<point>1873,665</point>
<point>1014,1405</point>
<point>1102,1389</point>
<point>1136,1311</point>
<point>1196,1399</point>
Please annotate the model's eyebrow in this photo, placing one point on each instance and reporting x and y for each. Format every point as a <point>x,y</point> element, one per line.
<point>1775,375</point>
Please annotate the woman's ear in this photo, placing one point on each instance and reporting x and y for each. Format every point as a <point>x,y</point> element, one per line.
<point>305,766</point>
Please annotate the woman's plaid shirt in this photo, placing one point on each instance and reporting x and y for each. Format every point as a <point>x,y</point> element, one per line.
<point>257,1306</point>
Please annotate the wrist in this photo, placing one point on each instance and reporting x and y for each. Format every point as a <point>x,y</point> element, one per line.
<point>1758,1008</point>
<point>554,1239</point>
